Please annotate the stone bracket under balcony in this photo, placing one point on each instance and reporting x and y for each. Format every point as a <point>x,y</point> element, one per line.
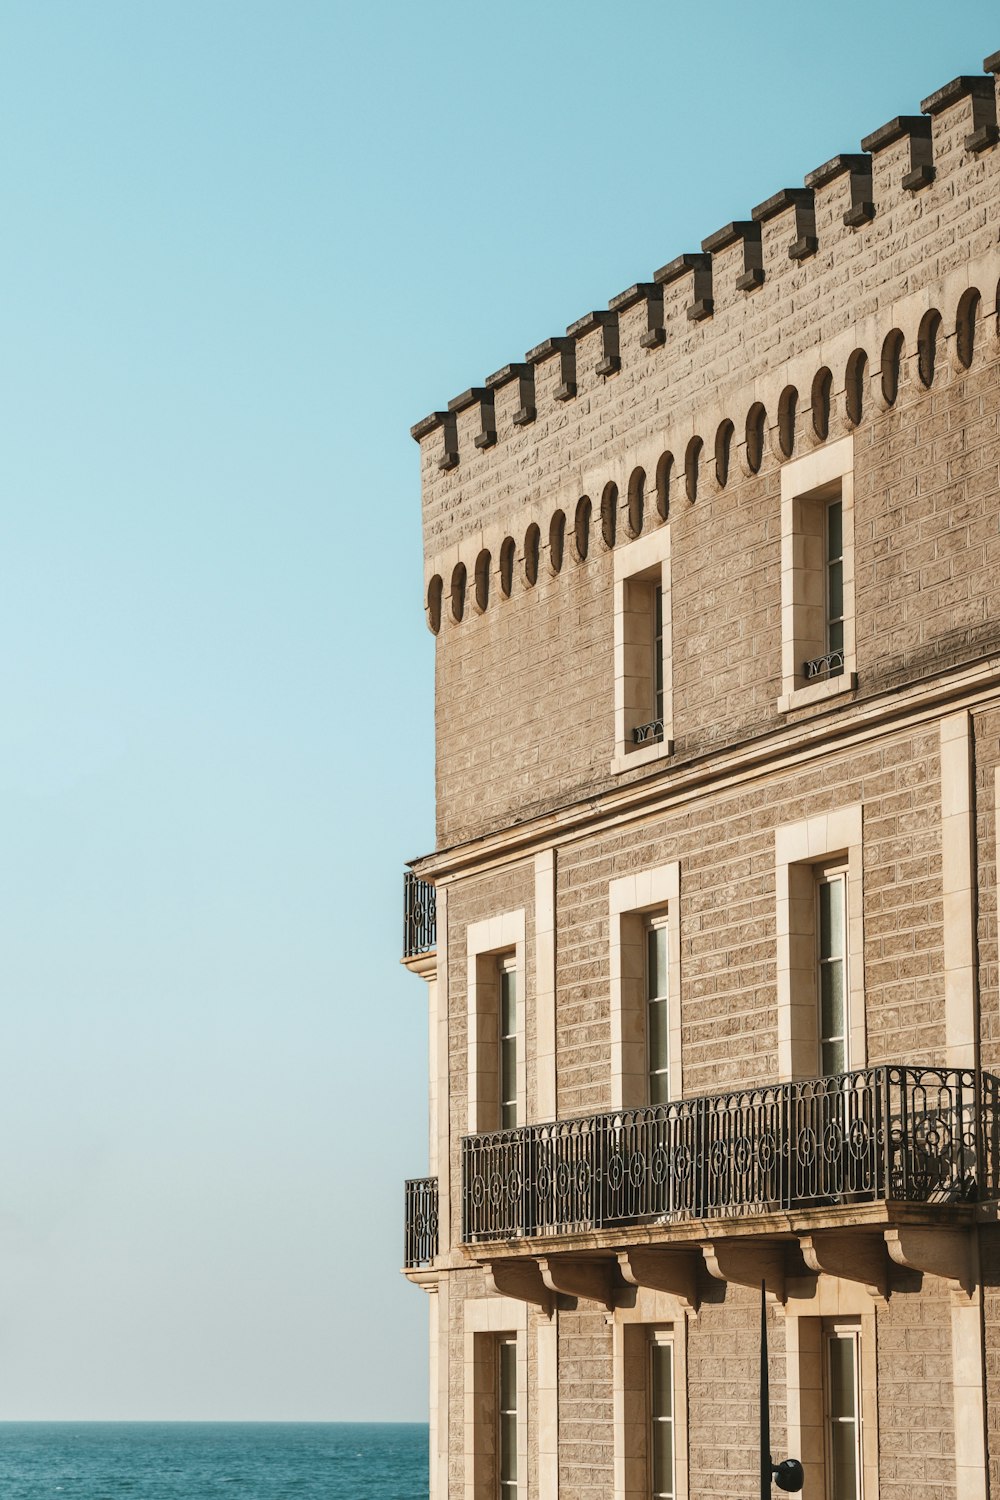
<point>786,1257</point>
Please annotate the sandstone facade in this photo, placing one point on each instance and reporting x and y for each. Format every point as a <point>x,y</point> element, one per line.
<point>839,347</point>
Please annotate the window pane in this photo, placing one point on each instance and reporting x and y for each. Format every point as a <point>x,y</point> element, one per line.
<point>833,1057</point>
<point>656,962</point>
<point>659,1088</point>
<point>663,1380</point>
<point>832,999</point>
<point>831,918</point>
<point>508,1002</point>
<point>659,1040</point>
<point>508,1376</point>
<point>836,634</point>
<point>663,1458</point>
<point>835,577</point>
<point>835,529</point>
<point>508,1446</point>
<point>845,1462</point>
<point>842,1377</point>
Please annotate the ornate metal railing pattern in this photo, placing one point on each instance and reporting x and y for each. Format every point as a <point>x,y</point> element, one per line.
<point>419,915</point>
<point>421,1220</point>
<point>650,733</point>
<point>887,1133</point>
<point>830,665</point>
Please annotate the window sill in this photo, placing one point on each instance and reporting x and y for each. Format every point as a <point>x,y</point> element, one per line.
<point>642,755</point>
<point>818,692</point>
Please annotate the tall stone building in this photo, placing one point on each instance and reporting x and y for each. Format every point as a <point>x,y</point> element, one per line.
<point>714,984</point>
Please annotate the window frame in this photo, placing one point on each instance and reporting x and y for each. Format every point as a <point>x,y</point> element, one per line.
<point>809,486</point>
<point>660,1338</point>
<point>487,943</point>
<point>641,569</point>
<point>843,1330</point>
<point>632,901</point>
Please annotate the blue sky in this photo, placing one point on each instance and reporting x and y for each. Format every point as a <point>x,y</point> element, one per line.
<point>246,245</point>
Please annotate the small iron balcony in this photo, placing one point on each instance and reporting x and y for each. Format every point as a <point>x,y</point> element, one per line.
<point>887,1134</point>
<point>421,1220</point>
<point>419,916</point>
<point>830,665</point>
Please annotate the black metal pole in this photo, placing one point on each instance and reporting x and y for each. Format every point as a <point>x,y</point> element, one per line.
<point>765,1404</point>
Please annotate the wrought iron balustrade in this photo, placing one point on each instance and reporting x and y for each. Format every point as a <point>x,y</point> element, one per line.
<point>419,915</point>
<point>651,733</point>
<point>900,1134</point>
<point>421,1220</point>
<point>830,665</point>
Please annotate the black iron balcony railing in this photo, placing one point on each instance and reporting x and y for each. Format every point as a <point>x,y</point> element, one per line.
<point>912,1135</point>
<point>830,665</point>
<point>419,916</point>
<point>421,1219</point>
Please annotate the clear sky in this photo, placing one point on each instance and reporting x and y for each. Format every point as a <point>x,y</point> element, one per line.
<point>246,244</point>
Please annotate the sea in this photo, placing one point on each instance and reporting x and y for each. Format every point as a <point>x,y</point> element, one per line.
<point>209,1460</point>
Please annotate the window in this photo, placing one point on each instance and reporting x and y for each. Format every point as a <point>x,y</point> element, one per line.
<point>507,1418</point>
<point>657,1010</point>
<point>818,888</point>
<point>817,575</point>
<point>831,961</point>
<point>842,1403</point>
<point>507,984</point>
<point>642,650</point>
<point>645,961</point>
<point>496,1058</point>
<point>662,1468</point>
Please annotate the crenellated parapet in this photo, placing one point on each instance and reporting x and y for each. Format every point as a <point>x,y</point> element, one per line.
<point>870,242</point>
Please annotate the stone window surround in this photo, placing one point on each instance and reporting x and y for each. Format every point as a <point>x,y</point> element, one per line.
<point>487,1320</point>
<point>631,898</point>
<point>835,1302</point>
<point>814,477</point>
<point>654,1313</point>
<point>486,941</point>
<point>798,848</point>
<point>647,558</point>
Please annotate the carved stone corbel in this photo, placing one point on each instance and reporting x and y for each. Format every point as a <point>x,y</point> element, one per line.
<point>589,1279</point>
<point>850,1255</point>
<point>672,1271</point>
<point>748,1264</point>
<point>947,1253</point>
<point>520,1279</point>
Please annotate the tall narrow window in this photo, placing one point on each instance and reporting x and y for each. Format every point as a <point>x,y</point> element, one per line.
<point>843,1413</point>
<point>835,586</point>
<point>507,1418</point>
<point>661,1419</point>
<point>508,1042</point>
<point>831,931</point>
<point>657,1011</point>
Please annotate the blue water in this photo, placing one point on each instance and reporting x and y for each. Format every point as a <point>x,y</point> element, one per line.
<point>208,1460</point>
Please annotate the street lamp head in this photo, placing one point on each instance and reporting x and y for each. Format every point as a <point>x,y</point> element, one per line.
<point>788,1476</point>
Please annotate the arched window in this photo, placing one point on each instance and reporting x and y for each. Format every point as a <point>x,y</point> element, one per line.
<point>854,386</point>
<point>692,460</point>
<point>557,540</point>
<point>458,592</point>
<point>581,527</point>
<point>965,327</point>
<point>820,398</point>
<point>723,449</point>
<point>532,541</point>
<point>664,468</point>
<point>787,405</point>
<point>636,501</point>
<point>892,353</point>
<point>482,585</point>
<point>756,418</point>
<point>508,551</point>
<point>609,514</point>
<point>927,337</point>
<point>435,593</point>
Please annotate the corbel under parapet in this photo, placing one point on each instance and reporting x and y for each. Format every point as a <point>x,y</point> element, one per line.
<point>652,295</point>
<point>748,1264</point>
<point>478,395</point>
<point>699,268</point>
<point>803,202</point>
<point>524,374</point>
<point>935,1251</point>
<point>916,129</point>
<point>610,360</point>
<point>565,349</point>
<point>520,1279</point>
<point>672,1271</point>
<point>981,94</point>
<point>859,167</point>
<point>747,232</point>
<point>849,1255</point>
